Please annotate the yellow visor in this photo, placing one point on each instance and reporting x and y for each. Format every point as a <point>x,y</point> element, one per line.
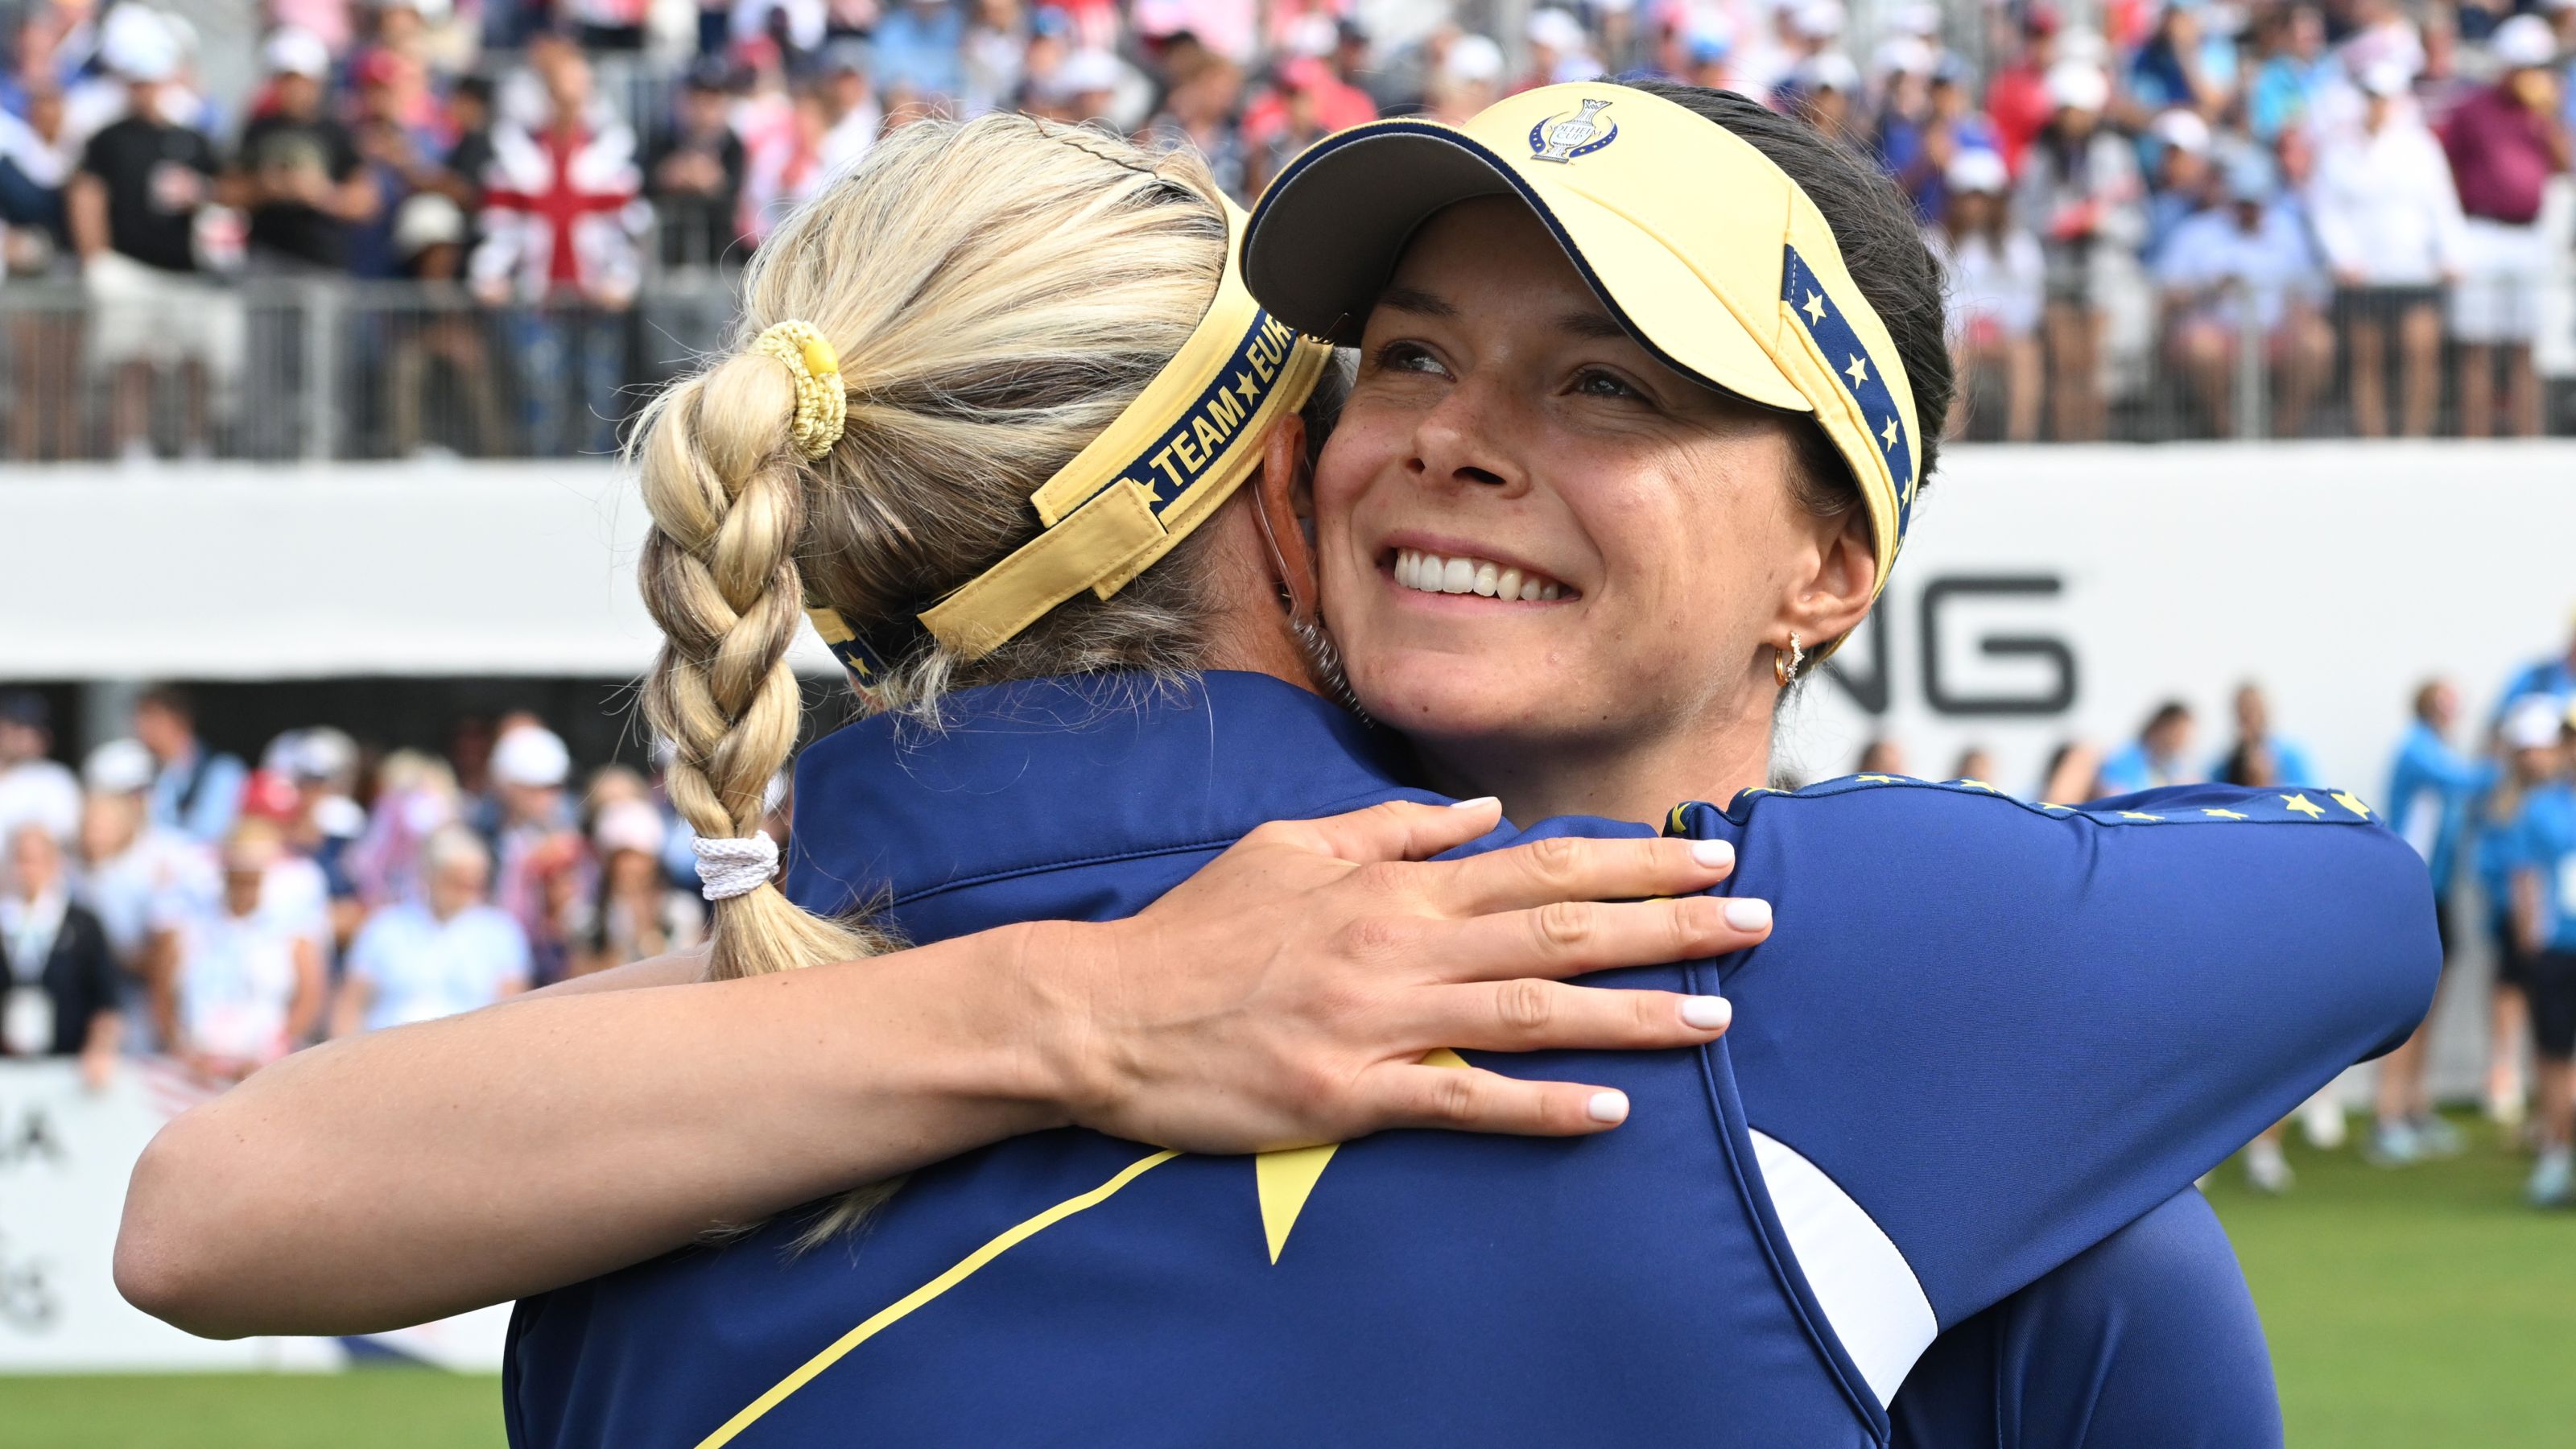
<point>1154,474</point>
<point>1703,249</point>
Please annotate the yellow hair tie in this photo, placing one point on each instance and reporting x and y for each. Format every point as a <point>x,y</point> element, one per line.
<point>822,408</point>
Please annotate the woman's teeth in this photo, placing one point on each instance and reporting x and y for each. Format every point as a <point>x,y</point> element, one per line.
<point>1432,574</point>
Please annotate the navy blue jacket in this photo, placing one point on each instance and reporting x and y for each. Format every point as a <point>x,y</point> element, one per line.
<point>1984,1036</point>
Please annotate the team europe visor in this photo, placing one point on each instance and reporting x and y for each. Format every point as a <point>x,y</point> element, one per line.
<point>1705,252</point>
<point>1142,485</point>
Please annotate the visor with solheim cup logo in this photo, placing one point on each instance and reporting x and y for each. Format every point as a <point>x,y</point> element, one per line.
<point>1704,250</point>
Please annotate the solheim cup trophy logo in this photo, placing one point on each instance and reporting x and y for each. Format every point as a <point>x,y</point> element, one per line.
<point>1564,140</point>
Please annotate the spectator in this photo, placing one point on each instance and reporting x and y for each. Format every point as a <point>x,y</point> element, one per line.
<point>1881,756</point>
<point>1301,107</point>
<point>1826,95</point>
<point>402,158</point>
<point>540,855</point>
<point>636,913</point>
<point>2539,855</point>
<point>2553,679</point>
<point>2293,68</point>
<point>447,952</point>
<point>1996,280</point>
<point>1200,110</point>
<point>995,57</point>
<point>37,154</point>
<point>2181,189</point>
<point>2183,66</point>
<point>562,207</point>
<point>237,988</point>
<point>1975,764</point>
<point>788,172</point>
<point>2389,224</point>
<point>134,872</point>
<point>696,168</point>
<point>2074,774</point>
<point>849,105</point>
<point>2155,758</point>
<point>34,789</point>
<point>2244,271</point>
<point>60,979</point>
<point>132,208</point>
<point>442,337</point>
<point>2504,143</point>
<point>416,797</point>
<point>2429,795</point>
<point>1560,50</point>
<point>919,48</point>
<point>2080,191</point>
<point>2286,763</point>
<point>2017,98</point>
<point>194,791</point>
<point>1468,79</point>
<point>299,175</point>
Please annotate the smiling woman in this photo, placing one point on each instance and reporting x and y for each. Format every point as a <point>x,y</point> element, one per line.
<point>1584,514</point>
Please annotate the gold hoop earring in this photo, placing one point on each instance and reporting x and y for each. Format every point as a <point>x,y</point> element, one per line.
<point>1785,662</point>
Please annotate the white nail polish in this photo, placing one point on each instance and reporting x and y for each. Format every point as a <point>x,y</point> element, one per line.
<point>1607,1107</point>
<point>1714,854</point>
<point>1472,804</point>
<point>1745,913</point>
<point>1708,1013</point>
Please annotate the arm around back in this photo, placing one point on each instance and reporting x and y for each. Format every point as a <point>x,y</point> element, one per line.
<point>2006,1030</point>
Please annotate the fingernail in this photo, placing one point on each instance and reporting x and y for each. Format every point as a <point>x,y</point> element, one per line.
<point>1607,1107</point>
<point>1748,913</point>
<point>1714,854</point>
<point>1708,1013</point>
<point>1472,804</point>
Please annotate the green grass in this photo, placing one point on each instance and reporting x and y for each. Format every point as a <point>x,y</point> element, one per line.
<point>2423,1307</point>
<point>380,1408</point>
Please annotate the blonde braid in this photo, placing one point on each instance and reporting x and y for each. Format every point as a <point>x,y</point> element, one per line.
<point>723,481</point>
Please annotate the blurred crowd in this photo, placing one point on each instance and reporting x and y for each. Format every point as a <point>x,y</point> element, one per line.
<point>2492,809</point>
<point>169,898</point>
<point>2147,205</point>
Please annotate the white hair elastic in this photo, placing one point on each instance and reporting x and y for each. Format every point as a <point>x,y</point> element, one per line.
<point>735,867</point>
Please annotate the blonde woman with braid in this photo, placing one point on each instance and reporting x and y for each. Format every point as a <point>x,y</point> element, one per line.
<point>1033,521</point>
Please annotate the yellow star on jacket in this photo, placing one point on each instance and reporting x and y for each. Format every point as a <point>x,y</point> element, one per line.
<point>1286,1178</point>
<point>2303,805</point>
<point>2347,801</point>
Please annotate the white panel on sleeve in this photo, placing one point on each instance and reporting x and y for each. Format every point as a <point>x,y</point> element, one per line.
<point>1870,1296</point>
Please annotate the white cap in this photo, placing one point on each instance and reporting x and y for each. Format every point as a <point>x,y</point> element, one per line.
<point>531,755</point>
<point>2076,85</point>
<point>2183,130</point>
<point>629,825</point>
<point>427,219</point>
<point>1556,29</point>
<point>1472,59</point>
<point>2385,78</point>
<point>1914,17</point>
<point>2523,42</point>
<point>1829,70</point>
<point>1905,55</point>
<point>1086,71</point>
<point>296,51</point>
<point>119,767</point>
<point>1977,169</point>
<point>138,44</point>
<point>2532,723</point>
<point>1818,19</point>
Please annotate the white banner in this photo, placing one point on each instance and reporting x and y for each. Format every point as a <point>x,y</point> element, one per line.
<point>66,1153</point>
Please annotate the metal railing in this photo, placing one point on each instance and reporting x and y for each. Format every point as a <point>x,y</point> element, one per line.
<point>324,368</point>
<point>310,368</point>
